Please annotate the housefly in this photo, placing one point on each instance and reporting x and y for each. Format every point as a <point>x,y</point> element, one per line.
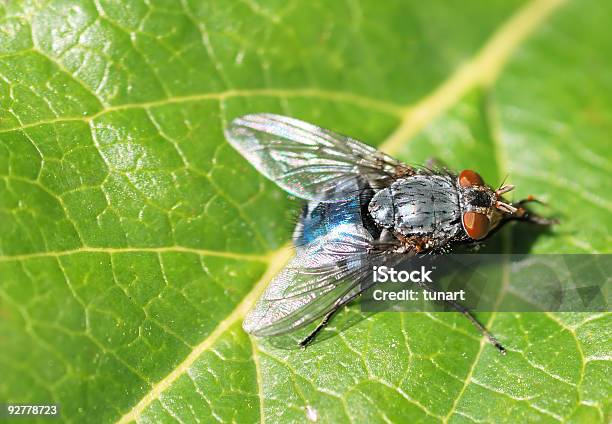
<point>362,207</point>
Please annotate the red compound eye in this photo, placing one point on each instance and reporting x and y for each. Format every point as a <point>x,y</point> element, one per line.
<point>469,178</point>
<point>476,225</point>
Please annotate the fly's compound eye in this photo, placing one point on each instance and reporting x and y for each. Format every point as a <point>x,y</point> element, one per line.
<point>476,225</point>
<point>469,178</point>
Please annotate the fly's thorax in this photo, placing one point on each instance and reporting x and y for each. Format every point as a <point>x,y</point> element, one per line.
<point>418,205</point>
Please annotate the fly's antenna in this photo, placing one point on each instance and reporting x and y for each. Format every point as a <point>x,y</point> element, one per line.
<point>503,206</point>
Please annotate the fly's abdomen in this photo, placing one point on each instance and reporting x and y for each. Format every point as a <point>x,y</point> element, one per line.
<point>418,205</point>
<point>320,218</point>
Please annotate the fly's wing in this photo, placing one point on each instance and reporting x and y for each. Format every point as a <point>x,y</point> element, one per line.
<point>323,275</point>
<point>308,161</point>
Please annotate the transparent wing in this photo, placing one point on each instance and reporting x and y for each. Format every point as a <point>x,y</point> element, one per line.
<point>322,276</point>
<point>308,161</point>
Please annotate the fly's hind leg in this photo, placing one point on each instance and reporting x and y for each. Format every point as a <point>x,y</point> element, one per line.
<point>313,334</point>
<point>483,330</point>
<point>326,319</point>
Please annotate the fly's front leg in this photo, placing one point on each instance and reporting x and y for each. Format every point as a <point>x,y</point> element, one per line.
<point>529,199</point>
<point>525,215</point>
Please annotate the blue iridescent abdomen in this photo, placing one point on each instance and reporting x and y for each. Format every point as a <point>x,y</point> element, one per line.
<point>321,218</point>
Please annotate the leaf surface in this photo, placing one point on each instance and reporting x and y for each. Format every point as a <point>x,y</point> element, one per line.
<point>133,239</point>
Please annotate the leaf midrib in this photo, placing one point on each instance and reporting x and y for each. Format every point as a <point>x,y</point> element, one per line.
<point>276,261</point>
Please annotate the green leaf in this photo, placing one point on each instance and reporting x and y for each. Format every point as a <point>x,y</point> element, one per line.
<point>133,239</point>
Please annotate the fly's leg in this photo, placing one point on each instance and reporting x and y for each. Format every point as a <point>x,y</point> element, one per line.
<point>525,215</point>
<point>524,202</point>
<point>328,316</point>
<point>460,308</point>
<point>490,337</point>
<point>313,334</point>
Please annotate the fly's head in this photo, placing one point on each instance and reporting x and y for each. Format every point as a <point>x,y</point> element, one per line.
<point>482,208</point>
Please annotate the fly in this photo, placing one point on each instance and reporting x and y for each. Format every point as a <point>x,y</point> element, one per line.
<point>362,207</point>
